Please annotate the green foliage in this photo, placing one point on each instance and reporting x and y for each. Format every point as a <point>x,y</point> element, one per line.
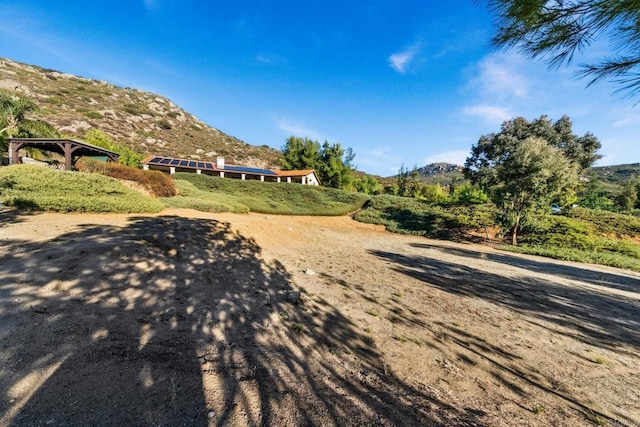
<point>556,30</point>
<point>155,182</point>
<point>594,196</point>
<point>137,109</point>
<point>265,197</point>
<point>586,235</point>
<point>431,193</point>
<point>94,115</point>
<point>525,172</point>
<point>14,121</point>
<point>126,156</point>
<point>366,184</point>
<point>330,161</point>
<point>412,216</point>
<point>628,196</point>
<point>469,194</point>
<point>41,188</point>
<point>164,124</point>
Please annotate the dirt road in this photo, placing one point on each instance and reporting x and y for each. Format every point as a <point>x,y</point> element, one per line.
<point>186,318</point>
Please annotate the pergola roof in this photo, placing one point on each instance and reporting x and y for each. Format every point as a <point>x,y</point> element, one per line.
<point>71,149</point>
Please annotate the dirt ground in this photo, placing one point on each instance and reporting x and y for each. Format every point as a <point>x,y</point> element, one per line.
<point>187,318</point>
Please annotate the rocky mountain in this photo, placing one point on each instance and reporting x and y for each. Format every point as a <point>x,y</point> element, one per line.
<point>439,168</point>
<point>145,122</point>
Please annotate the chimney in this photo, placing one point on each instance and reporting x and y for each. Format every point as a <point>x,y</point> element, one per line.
<point>220,163</point>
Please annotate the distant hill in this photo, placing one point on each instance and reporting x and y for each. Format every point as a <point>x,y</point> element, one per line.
<point>436,173</point>
<point>145,122</point>
<point>617,174</point>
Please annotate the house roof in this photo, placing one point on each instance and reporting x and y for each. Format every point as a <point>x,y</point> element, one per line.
<point>203,165</point>
<point>294,173</point>
<point>199,164</point>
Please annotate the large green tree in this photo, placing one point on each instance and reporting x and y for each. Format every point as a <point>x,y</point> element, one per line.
<point>527,180</point>
<point>555,30</point>
<point>15,121</point>
<point>332,163</point>
<point>492,149</point>
<point>507,166</point>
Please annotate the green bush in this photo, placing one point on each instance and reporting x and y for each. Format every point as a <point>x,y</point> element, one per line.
<point>411,216</point>
<point>164,124</point>
<point>94,115</point>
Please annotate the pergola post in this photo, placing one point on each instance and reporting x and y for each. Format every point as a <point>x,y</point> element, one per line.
<point>67,156</point>
<point>13,153</point>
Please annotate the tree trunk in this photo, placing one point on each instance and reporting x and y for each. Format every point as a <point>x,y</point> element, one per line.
<point>514,231</point>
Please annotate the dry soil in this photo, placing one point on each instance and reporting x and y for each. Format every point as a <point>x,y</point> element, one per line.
<point>187,318</point>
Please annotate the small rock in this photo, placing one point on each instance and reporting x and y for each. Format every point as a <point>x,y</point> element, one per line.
<point>211,414</point>
<point>294,297</point>
<point>309,272</point>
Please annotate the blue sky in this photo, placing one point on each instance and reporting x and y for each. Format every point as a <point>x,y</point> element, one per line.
<point>401,82</point>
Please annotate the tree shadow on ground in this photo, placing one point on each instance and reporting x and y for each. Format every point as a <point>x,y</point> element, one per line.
<point>173,321</point>
<point>12,216</point>
<point>628,281</point>
<point>592,317</point>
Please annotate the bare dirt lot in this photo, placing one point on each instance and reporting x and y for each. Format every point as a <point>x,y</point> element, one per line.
<point>186,318</point>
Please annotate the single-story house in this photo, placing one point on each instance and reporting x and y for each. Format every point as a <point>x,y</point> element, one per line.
<point>219,168</point>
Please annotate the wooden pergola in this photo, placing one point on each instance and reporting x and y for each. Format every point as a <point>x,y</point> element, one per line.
<point>71,149</point>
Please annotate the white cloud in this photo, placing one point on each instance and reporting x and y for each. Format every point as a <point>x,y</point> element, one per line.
<point>379,161</point>
<point>270,59</point>
<point>296,128</point>
<point>630,118</point>
<point>499,75</point>
<point>457,157</point>
<point>401,60</point>
<point>491,114</point>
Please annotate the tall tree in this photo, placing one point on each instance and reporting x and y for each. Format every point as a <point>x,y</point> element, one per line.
<point>301,153</point>
<point>506,165</point>
<point>14,120</point>
<point>492,149</point>
<point>332,163</point>
<point>628,196</point>
<point>528,178</point>
<point>556,29</point>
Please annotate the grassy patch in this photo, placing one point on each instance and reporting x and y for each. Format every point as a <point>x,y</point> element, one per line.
<point>578,255</point>
<point>41,188</point>
<point>208,193</point>
<point>411,216</point>
<point>191,197</point>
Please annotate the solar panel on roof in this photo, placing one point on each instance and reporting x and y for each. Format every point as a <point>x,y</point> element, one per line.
<point>201,165</point>
<point>165,161</point>
<point>175,162</point>
<point>243,169</point>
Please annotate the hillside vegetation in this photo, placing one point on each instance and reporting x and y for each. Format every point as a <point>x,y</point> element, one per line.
<point>215,194</point>
<point>39,188</point>
<point>145,122</point>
